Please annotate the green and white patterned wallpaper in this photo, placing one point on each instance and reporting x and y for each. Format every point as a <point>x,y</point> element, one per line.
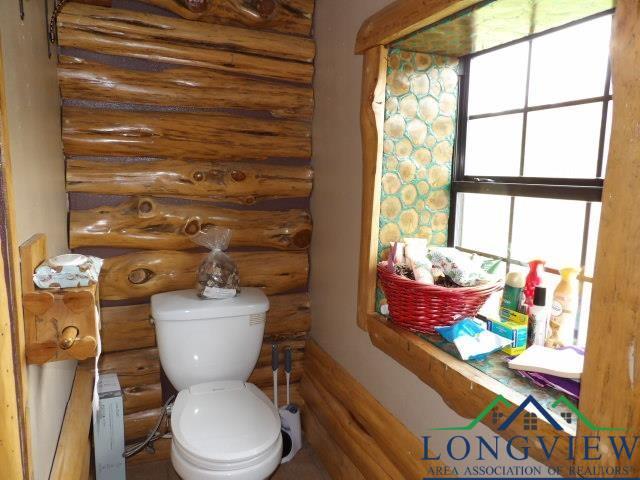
<point>419,134</point>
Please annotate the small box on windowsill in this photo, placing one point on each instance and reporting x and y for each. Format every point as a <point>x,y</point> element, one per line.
<point>515,331</point>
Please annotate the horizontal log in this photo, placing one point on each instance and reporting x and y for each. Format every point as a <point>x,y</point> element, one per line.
<point>142,274</point>
<point>165,39</point>
<point>199,136</point>
<point>150,223</point>
<point>128,327</point>
<point>296,346</point>
<point>127,24</point>
<point>141,397</point>
<point>285,16</point>
<point>134,367</point>
<point>233,182</point>
<point>338,465</point>
<point>288,316</point>
<point>401,446</point>
<point>138,425</point>
<point>356,442</point>
<point>263,376</point>
<point>81,79</point>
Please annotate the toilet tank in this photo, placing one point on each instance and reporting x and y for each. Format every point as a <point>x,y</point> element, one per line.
<point>207,340</point>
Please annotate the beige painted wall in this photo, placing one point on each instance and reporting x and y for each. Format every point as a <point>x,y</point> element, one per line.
<point>41,203</point>
<point>336,237</point>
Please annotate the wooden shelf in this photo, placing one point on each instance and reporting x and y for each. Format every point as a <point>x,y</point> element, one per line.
<point>465,389</point>
<point>60,324</point>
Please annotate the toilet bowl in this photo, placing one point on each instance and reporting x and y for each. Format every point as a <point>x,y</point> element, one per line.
<point>222,427</point>
<point>225,430</point>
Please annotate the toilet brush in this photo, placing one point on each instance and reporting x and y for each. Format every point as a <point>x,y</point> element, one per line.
<point>287,370</point>
<point>275,360</point>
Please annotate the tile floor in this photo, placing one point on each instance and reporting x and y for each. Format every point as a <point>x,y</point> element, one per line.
<point>305,466</point>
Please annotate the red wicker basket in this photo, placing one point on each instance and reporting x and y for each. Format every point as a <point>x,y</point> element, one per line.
<point>421,308</point>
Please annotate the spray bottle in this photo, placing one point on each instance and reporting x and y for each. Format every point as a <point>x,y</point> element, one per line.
<point>563,310</point>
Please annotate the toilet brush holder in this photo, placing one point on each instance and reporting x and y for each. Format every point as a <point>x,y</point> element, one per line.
<point>291,431</point>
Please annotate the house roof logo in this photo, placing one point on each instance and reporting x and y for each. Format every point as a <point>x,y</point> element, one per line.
<point>526,407</point>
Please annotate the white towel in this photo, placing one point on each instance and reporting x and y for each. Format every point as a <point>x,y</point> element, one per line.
<point>95,402</point>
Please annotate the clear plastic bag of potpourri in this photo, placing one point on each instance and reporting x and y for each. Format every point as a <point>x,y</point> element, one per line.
<point>218,273</point>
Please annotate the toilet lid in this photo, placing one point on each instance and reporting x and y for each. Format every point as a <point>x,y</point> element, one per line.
<point>224,422</point>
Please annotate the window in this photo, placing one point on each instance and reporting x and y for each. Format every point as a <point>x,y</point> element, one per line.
<point>531,152</point>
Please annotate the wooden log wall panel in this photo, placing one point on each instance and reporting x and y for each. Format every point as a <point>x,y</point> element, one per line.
<point>138,425</point>
<point>286,16</point>
<point>182,87</point>
<point>339,465</point>
<point>129,327</point>
<point>141,397</point>
<point>403,448</point>
<point>126,327</point>
<point>204,136</point>
<point>233,182</point>
<point>358,444</point>
<point>149,223</point>
<point>134,367</point>
<point>263,376</point>
<point>125,24</point>
<point>177,41</point>
<point>142,274</point>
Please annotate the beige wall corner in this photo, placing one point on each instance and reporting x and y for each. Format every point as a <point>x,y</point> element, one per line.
<point>33,113</point>
<point>336,200</point>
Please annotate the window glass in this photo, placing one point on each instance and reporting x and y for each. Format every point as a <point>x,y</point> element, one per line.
<point>592,243</point>
<point>563,142</point>
<point>487,155</point>
<point>549,229</point>
<point>498,80</point>
<point>571,63</point>
<point>484,223</point>
<point>607,139</point>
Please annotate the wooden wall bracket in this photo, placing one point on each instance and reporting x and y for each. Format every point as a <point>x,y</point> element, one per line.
<point>60,324</point>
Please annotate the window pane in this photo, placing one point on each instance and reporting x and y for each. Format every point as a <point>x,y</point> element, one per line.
<point>549,229</point>
<point>607,139</point>
<point>483,223</point>
<point>493,146</point>
<point>498,80</point>
<point>563,142</point>
<point>594,227</point>
<point>583,320</point>
<point>570,64</point>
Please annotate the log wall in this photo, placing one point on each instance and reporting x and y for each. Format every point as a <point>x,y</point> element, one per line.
<point>172,123</point>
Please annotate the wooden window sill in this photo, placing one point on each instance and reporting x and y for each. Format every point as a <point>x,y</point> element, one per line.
<point>465,389</point>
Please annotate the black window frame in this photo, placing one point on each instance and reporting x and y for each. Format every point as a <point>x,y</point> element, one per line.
<point>582,189</point>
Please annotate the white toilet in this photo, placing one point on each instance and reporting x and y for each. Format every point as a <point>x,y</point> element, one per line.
<point>223,427</point>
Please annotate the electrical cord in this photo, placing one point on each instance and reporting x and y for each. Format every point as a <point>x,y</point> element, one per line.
<point>153,433</point>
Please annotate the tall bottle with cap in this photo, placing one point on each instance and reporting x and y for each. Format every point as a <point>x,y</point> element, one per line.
<point>538,317</point>
<point>563,310</point>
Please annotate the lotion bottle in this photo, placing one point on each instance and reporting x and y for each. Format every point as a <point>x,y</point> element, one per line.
<point>563,310</point>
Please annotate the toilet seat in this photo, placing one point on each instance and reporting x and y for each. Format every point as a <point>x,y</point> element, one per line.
<point>225,427</point>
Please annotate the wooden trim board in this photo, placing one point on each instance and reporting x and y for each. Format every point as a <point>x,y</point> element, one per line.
<point>374,80</point>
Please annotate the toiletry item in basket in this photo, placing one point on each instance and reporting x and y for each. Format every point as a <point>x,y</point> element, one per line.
<point>563,310</point>
<point>68,271</point>
<point>534,278</point>
<point>538,317</point>
<point>458,266</point>
<point>415,252</point>
<point>217,274</point>
<point>512,294</point>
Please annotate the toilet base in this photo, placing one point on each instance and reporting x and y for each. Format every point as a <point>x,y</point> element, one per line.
<point>261,471</point>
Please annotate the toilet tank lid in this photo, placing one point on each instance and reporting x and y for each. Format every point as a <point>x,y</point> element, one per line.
<point>186,305</point>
